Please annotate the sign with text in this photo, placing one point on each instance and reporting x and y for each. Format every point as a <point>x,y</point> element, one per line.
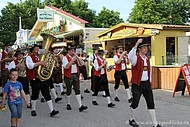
<point>45,15</point>
<point>183,80</point>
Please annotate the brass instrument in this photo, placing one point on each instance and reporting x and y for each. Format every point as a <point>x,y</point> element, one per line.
<point>109,68</point>
<point>45,72</point>
<point>22,71</point>
<point>10,57</point>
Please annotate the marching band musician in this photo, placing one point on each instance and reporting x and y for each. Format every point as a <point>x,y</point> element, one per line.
<point>57,73</point>
<point>100,77</point>
<point>5,58</point>
<point>19,63</point>
<point>92,59</point>
<point>32,63</point>
<point>71,63</point>
<point>121,62</point>
<point>141,81</point>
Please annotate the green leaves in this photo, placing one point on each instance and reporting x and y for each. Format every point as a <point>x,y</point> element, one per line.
<point>160,12</point>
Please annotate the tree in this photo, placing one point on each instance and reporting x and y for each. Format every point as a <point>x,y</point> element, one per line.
<point>160,12</point>
<point>107,18</point>
<point>9,19</point>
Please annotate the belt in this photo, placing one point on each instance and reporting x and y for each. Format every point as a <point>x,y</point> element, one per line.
<point>74,73</point>
<point>144,81</point>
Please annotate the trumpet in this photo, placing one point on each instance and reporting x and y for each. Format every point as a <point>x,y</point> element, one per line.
<point>109,68</point>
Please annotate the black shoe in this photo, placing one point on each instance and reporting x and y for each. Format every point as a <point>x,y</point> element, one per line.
<point>68,107</point>
<point>130,100</point>
<point>29,106</point>
<point>133,123</point>
<point>158,125</point>
<point>82,97</point>
<point>42,100</point>
<point>111,105</point>
<point>53,113</point>
<point>1,94</point>
<point>104,95</point>
<point>82,108</point>
<point>117,99</point>
<point>58,99</point>
<point>62,93</point>
<point>86,91</point>
<point>94,103</point>
<point>33,113</point>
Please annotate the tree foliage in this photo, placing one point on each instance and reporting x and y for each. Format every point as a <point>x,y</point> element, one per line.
<point>160,12</point>
<point>107,18</point>
<point>9,18</point>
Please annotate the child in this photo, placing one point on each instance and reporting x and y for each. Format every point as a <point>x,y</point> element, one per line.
<point>14,90</point>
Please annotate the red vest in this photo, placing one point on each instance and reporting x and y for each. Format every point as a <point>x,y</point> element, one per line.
<point>4,55</point>
<point>31,74</point>
<point>118,66</point>
<point>137,70</point>
<point>98,73</point>
<point>67,72</point>
<point>16,62</point>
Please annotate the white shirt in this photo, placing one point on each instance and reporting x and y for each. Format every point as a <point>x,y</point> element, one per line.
<point>73,66</point>
<point>11,65</point>
<point>91,58</point>
<point>123,65</point>
<point>133,59</point>
<point>6,66</point>
<point>96,66</point>
<point>30,63</point>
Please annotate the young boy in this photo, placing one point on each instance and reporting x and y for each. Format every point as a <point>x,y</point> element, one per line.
<point>14,90</point>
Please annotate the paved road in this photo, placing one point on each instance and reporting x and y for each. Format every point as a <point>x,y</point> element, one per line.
<point>171,112</point>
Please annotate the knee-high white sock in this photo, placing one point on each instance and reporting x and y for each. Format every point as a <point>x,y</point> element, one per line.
<point>116,92</point>
<point>33,103</point>
<point>28,98</point>
<point>109,100</point>
<point>132,114</point>
<point>68,99</point>
<point>78,97</point>
<point>93,98</point>
<point>61,87</point>
<point>153,116</point>
<point>128,93</point>
<point>103,93</point>
<point>54,93</point>
<point>50,105</point>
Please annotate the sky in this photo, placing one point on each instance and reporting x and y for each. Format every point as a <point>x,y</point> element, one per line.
<point>122,6</point>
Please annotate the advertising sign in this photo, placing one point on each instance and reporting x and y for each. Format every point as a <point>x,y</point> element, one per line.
<point>45,15</point>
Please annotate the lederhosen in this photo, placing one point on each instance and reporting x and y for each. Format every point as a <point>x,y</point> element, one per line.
<point>4,71</point>
<point>72,79</point>
<point>93,78</point>
<point>24,81</point>
<point>100,80</point>
<point>141,87</point>
<point>120,74</point>
<point>36,84</point>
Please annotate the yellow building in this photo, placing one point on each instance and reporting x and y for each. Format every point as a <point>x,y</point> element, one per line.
<point>164,40</point>
<point>168,47</point>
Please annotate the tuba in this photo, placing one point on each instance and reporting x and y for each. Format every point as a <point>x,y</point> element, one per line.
<point>44,72</point>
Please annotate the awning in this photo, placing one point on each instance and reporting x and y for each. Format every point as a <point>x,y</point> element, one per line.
<point>92,41</point>
<point>37,26</point>
<point>70,34</point>
<point>31,42</point>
